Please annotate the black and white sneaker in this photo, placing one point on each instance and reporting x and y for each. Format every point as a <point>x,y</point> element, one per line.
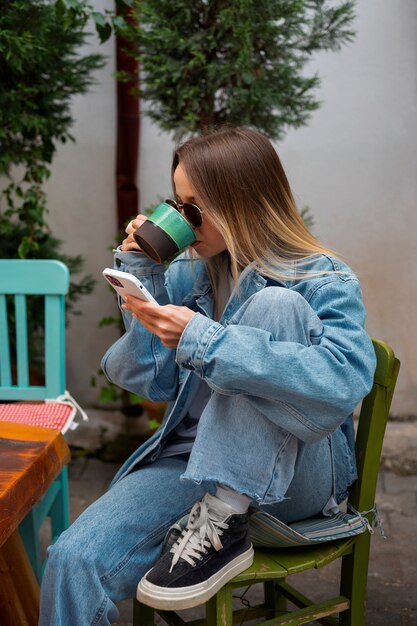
<point>212,549</point>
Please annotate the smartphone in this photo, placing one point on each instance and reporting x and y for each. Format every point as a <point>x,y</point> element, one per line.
<point>127,285</point>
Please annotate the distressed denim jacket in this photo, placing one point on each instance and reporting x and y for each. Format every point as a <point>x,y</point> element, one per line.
<point>309,392</point>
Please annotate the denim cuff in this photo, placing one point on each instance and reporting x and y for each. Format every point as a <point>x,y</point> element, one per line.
<point>136,263</point>
<point>194,342</point>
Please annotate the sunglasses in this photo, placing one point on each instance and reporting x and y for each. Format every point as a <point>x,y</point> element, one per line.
<point>192,212</point>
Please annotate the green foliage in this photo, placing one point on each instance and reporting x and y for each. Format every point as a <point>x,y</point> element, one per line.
<point>105,22</point>
<point>207,62</point>
<point>307,217</point>
<point>40,72</point>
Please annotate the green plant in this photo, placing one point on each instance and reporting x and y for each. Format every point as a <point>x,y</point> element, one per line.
<point>207,62</point>
<point>105,21</point>
<point>40,72</point>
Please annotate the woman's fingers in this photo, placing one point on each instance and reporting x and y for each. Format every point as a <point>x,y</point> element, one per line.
<point>129,243</point>
<point>167,322</point>
<point>130,228</point>
<point>135,223</point>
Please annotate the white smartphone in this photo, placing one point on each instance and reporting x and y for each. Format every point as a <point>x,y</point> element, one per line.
<point>127,285</point>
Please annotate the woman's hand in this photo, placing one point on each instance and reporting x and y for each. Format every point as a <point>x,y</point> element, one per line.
<point>167,322</point>
<point>129,243</point>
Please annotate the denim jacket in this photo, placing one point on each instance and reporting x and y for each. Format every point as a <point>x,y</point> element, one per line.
<point>319,386</point>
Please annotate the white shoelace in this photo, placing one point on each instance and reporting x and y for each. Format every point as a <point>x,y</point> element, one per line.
<point>202,531</point>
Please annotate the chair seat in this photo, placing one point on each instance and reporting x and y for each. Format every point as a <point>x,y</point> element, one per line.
<point>49,414</point>
<point>275,564</point>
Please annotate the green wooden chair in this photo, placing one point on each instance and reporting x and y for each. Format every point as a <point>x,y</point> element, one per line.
<point>19,280</point>
<point>272,567</point>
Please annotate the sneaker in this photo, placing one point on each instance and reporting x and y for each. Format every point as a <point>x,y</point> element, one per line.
<point>212,549</point>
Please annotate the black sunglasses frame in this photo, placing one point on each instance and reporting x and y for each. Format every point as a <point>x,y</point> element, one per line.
<point>192,212</point>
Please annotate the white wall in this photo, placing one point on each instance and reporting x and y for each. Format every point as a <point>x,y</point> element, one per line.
<point>354,166</point>
<point>81,198</point>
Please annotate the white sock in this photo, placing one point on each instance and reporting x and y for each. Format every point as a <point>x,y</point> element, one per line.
<point>238,501</point>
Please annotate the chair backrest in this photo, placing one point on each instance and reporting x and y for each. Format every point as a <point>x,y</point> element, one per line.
<point>371,427</point>
<point>47,280</point>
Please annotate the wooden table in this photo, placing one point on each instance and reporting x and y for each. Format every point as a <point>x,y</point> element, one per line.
<point>30,459</point>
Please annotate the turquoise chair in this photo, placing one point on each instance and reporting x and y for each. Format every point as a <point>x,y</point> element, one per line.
<point>273,567</point>
<point>20,279</point>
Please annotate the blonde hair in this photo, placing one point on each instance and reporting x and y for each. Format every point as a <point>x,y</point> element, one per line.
<point>240,181</point>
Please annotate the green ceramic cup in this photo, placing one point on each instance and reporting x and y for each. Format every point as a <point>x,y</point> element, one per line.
<point>165,233</point>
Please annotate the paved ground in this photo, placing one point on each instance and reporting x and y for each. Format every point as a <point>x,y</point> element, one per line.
<point>392,585</point>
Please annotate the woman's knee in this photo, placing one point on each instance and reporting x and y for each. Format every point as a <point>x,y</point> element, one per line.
<point>311,486</point>
<point>283,312</point>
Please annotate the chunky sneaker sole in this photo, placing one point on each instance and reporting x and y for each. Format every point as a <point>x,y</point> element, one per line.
<point>177,598</point>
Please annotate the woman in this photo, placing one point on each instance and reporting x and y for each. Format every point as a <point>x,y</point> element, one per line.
<point>260,349</point>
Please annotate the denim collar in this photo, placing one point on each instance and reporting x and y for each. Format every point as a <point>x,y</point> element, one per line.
<point>250,282</point>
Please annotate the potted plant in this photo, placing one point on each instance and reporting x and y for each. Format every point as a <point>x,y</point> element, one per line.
<point>245,63</point>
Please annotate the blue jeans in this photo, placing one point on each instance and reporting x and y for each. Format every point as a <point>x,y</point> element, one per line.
<point>99,560</point>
